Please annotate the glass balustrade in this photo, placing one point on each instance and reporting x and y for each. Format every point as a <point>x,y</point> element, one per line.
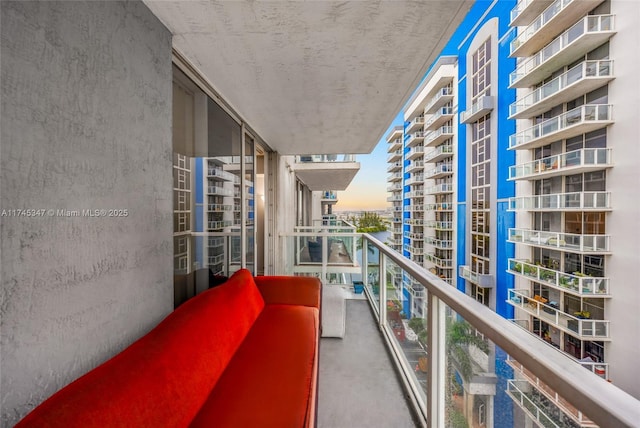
<point>562,201</point>
<point>582,158</point>
<point>551,127</point>
<point>587,25</point>
<point>580,72</point>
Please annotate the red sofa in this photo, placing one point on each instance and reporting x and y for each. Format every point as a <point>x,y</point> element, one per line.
<point>243,354</point>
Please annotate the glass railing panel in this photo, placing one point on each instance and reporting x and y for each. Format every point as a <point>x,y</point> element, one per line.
<point>586,69</point>
<point>563,241</point>
<point>573,200</point>
<point>576,282</point>
<point>371,273</point>
<point>583,114</point>
<point>589,24</point>
<point>573,159</point>
<point>539,23</point>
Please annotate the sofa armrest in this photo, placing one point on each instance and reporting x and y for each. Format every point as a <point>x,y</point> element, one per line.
<point>290,290</point>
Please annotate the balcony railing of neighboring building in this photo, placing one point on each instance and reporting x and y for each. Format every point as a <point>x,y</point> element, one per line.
<point>441,97</point>
<point>548,24</point>
<point>326,158</point>
<point>394,188</point>
<point>570,242</point>
<point>577,121</point>
<point>576,161</point>
<point>439,188</point>
<point>395,143</point>
<point>396,176</point>
<point>480,279</point>
<point>439,225</point>
<point>580,79</point>
<point>415,166</point>
<point>526,11</point>
<point>442,244</point>
<point>219,207</point>
<point>394,155</point>
<point>480,108</point>
<point>415,123</point>
<point>439,171</point>
<point>415,152</point>
<point>395,166</point>
<point>219,190</point>
<point>439,117</point>
<point>583,328</point>
<point>438,261</point>
<point>573,201</point>
<point>439,153</point>
<point>219,172</point>
<point>437,136</point>
<point>329,195</point>
<point>414,138</point>
<point>444,206</point>
<point>577,284</point>
<point>415,179</point>
<point>584,36</point>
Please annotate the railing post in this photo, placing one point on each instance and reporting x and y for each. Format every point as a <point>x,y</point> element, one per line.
<point>382,287</point>
<point>325,257</point>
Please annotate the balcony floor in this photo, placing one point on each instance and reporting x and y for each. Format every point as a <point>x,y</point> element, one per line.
<point>358,385</point>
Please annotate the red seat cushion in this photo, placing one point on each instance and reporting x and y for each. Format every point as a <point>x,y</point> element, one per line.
<point>163,379</point>
<point>268,383</point>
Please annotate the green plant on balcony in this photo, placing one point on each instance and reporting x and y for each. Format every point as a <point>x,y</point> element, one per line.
<point>547,275</point>
<point>517,267</point>
<point>530,270</point>
<point>516,238</point>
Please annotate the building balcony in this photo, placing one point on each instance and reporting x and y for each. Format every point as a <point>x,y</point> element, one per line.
<point>439,225</point>
<point>578,285</point>
<point>396,209</point>
<point>439,153</point>
<point>415,166</point>
<point>414,138</point>
<point>542,405</point>
<point>415,124</point>
<point>415,179</point>
<point>329,196</point>
<point>415,152</point>
<point>441,244</point>
<point>574,162</point>
<point>439,99</point>
<point>480,108</point>
<point>445,206</point>
<point>396,176</point>
<point>439,188</point>
<point>220,174</point>
<point>394,155</point>
<point>438,261</point>
<point>321,172</point>
<point>583,329</point>
<point>397,187</point>
<point>574,201</point>
<point>480,279</point>
<point>579,80</point>
<point>438,118</point>
<point>414,208</point>
<point>414,221</point>
<point>442,170</point>
<point>575,122</point>
<point>414,250</point>
<point>526,11</point>
<point>395,144</point>
<point>575,243</point>
<point>584,36</point>
<point>396,166</point>
<point>433,138</point>
<point>219,224</point>
<point>415,194</point>
<point>219,207</point>
<point>551,22</point>
<point>219,191</point>
<point>394,198</point>
<point>414,235</point>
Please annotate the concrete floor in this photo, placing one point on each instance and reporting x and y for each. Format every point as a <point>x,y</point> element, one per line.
<point>358,386</point>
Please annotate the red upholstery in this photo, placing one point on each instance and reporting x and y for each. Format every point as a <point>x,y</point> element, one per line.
<point>272,371</point>
<point>297,290</point>
<point>223,356</point>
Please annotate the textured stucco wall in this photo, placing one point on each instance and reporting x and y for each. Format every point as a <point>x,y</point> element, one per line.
<point>85,124</point>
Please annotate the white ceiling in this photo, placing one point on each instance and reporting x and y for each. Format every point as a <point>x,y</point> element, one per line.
<point>313,77</point>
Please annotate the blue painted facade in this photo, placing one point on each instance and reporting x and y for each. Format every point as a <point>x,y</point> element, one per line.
<point>459,45</point>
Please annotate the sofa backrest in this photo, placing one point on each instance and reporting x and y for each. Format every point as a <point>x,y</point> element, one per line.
<point>162,379</point>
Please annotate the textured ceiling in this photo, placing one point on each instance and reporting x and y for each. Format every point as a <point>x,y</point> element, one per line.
<point>313,76</point>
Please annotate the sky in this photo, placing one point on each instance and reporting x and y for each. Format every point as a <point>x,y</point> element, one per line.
<point>368,190</point>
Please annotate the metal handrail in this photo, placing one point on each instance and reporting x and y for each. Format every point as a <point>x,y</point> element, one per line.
<point>610,407</point>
